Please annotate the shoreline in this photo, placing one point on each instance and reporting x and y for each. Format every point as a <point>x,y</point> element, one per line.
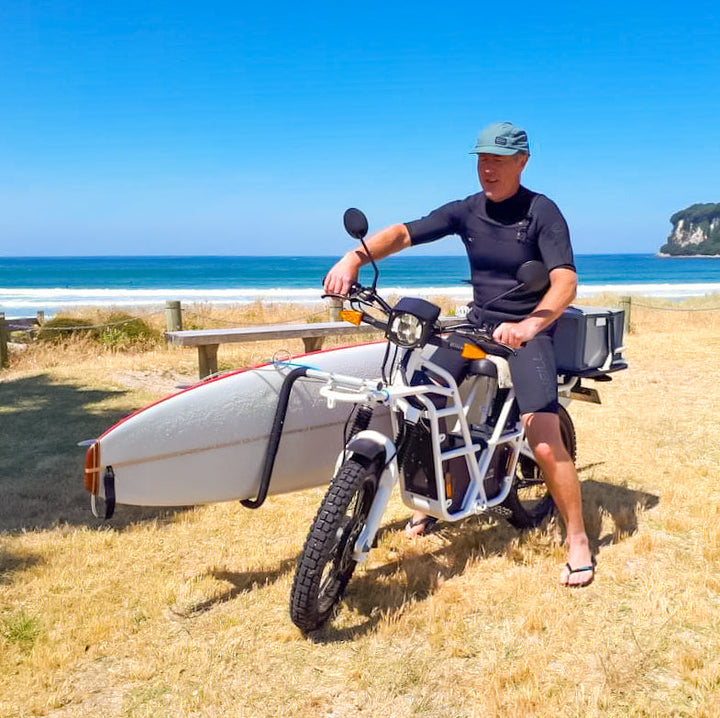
<point>663,255</point>
<point>155,301</point>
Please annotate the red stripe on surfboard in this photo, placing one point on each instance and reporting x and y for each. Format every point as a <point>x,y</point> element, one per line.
<point>225,376</point>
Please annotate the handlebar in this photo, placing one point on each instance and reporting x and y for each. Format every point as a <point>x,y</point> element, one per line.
<point>480,336</point>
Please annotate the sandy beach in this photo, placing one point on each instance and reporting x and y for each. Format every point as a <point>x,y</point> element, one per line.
<point>184,612</point>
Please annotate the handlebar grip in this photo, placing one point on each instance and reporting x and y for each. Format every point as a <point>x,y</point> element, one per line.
<point>353,290</point>
<point>486,343</point>
<point>496,348</point>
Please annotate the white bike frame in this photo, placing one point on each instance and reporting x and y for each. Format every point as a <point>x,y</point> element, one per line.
<point>478,457</point>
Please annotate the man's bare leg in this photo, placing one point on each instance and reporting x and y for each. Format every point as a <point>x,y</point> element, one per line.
<point>543,433</point>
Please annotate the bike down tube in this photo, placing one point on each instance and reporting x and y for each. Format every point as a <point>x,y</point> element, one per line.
<point>498,437</point>
<point>469,450</point>
<point>477,470</point>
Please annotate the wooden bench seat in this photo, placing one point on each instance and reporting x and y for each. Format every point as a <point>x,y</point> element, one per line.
<point>207,341</point>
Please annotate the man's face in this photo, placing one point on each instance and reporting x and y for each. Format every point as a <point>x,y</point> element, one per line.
<point>500,174</point>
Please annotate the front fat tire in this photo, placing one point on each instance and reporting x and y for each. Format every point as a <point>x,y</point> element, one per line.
<point>529,503</point>
<point>326,564</point>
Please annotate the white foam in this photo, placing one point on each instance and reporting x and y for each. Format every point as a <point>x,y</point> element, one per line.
<point>24,302</point>
<point>664,291</point>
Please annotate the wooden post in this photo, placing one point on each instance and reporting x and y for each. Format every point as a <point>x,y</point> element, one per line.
<point>173,316</point>
<point>207,359</point>
<point>312,344</point>
<point>626,303</point>
<point>336,306</point>
<point>3,342</point>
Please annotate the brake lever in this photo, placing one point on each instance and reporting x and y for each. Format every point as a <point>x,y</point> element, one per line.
<point>356,291</point>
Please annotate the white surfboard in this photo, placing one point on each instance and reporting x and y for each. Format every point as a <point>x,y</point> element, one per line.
<point>208,443</point>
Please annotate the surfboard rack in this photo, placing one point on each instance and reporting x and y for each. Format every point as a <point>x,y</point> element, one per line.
<point>275,436</point>
<point>109,501</point>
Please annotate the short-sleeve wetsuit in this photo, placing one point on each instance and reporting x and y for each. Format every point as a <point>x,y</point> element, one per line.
<point>498,238</point>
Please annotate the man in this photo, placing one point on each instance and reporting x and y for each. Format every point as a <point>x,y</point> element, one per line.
<point>502,227</point>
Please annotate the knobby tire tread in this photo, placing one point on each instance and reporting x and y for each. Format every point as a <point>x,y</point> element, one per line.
<point>305,609</point>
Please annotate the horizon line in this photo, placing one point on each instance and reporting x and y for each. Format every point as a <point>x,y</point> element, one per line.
<point>324,256</point>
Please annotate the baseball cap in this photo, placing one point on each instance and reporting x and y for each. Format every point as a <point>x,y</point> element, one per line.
<point>501,138</point>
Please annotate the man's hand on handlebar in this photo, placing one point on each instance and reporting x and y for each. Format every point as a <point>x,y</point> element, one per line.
<point>514,334</point>
<point>342,275</point>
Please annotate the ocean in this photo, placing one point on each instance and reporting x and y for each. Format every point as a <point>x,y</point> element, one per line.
<point>52,284</point>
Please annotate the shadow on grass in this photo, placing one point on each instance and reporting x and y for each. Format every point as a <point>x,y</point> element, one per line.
<point>41,465</point>
<point>385,589</point>
<point>10,562</point>
<point>621,504</point>
<point>415,575</point>
<point>241,583</point>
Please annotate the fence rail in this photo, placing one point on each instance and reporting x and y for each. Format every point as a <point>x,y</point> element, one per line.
<point>207,341</point>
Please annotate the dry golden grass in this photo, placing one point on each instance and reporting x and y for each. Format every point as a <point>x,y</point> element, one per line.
<point>184,613</point>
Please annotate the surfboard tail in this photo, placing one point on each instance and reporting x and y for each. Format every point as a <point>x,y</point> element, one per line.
<point>92,468</point>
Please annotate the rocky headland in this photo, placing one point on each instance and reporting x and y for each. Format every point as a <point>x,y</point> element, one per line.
<point>696,231</point>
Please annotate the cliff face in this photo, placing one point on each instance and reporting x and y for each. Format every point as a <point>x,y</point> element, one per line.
<point>696,230</point>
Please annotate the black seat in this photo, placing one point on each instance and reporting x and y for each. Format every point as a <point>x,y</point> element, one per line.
<point>482,367</point>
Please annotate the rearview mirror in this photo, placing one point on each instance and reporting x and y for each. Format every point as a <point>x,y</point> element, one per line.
<point>356,224</point>
<point>533,276</point>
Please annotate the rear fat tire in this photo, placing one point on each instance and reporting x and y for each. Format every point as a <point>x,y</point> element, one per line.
<point>326,563</point>
<point>529,502</point>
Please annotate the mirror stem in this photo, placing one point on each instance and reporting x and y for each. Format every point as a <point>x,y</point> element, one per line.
<point>372,261</point>
<point>512,290</point>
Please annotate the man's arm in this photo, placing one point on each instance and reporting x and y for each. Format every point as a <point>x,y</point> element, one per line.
<point>381,244</point>
<point>562,290</point>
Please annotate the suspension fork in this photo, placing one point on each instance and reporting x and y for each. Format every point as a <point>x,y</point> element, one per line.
<point>370,444</point>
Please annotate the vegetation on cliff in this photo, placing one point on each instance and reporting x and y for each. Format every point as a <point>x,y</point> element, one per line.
<point>696,230</point>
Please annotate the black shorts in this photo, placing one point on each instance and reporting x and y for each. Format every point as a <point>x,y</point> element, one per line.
<point>534,375</point>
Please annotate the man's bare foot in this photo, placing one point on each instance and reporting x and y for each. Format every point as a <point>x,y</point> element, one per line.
<point>419,524</point>
<point>580,567</point>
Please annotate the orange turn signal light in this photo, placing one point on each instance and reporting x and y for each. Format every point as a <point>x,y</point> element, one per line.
<point>470,351</point>
<point>351,315</point>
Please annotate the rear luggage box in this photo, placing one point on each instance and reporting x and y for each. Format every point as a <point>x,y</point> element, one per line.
<point>588,341</point>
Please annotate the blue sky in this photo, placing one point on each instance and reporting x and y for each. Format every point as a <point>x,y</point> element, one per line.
<point>222,128</point>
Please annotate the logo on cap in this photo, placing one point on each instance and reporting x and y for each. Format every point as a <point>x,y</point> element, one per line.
<point>501,140</point>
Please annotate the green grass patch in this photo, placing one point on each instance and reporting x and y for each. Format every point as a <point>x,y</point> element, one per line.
<point>59,329</point>
<point>20,628</point>
<point>122,332</point>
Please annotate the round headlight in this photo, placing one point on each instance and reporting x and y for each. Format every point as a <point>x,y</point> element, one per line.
<point>406,329</point>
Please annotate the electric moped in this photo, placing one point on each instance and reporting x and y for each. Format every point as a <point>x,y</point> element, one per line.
<point>458,446</point>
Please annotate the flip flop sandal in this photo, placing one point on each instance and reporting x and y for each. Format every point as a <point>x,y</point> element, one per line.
<point>420,527</point>
<point>572,570</point>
